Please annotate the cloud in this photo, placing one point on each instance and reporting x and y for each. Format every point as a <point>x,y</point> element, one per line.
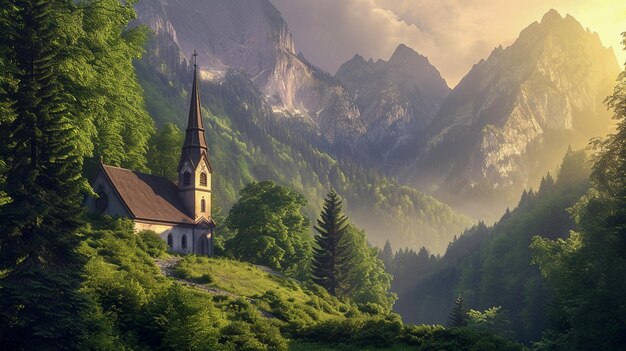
<point>453,34</point>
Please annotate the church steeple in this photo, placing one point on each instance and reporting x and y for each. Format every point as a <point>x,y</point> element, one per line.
<point>195,146</point>
<point>194,169</point>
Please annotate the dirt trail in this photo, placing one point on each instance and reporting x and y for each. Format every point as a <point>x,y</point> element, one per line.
<point>167,265</point>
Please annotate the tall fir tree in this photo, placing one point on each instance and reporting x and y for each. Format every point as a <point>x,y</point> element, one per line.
<point>386,255</point>
<point>40,304</point>
<point>458,316</point>
<point>329,254</point>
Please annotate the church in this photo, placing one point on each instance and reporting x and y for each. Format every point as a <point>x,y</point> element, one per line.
<point>179,212</point>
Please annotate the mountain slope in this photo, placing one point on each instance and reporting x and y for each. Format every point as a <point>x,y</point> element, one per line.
<point>249,141</point>
<point>510,118</point>
<point>251,37</point>
<point>491,266</point>
<point>397,99</point>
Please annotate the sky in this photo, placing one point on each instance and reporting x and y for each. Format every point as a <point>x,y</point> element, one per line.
<point>453,34</point>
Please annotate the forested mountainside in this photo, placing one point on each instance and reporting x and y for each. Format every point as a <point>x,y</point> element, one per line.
<point>491,266</point>
<point>514,114</point>
<point>247,141</point>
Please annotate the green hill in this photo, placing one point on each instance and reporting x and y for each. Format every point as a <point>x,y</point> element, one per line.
<point>220,304</point>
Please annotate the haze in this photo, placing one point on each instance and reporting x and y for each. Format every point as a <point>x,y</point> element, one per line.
<point>453,34</point>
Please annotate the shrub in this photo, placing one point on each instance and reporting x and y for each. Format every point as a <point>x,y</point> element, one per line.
<point>152,243</point>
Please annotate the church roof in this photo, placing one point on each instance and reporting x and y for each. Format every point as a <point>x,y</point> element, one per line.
<point>148,197</point>
<point>195,146</point>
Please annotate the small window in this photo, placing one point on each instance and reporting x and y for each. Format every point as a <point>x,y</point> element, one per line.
<point>186,178</point>
<point>183,242</point>
<point>202,205</point>
<point>170,240</point>
<point>203,181</point>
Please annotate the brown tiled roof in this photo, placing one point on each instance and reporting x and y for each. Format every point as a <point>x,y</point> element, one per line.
<point>147,196</point>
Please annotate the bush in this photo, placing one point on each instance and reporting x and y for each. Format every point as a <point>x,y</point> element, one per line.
<point>152,243</point>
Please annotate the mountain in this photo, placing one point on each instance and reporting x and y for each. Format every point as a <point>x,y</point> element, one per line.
<point>397,99</point>
<point>511,117</point>
<point>251,139</point>
<point>251,37</point>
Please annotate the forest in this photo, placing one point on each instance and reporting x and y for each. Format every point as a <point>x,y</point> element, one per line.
<point>293,270</point>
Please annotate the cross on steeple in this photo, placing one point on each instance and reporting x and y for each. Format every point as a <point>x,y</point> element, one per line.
<point>195,57</point>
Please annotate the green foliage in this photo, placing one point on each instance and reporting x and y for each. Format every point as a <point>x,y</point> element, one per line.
<point>331,253</point>
<point>492,265</point>
<point>363,278</point>
<point>466,338</point>
<point>586,269</point>
<point>109,103</point>
<point>458,315</point>
<point>492,319</point>
<point>154,245</point>
<point>145,310</point>
<point>164,151</point>
<point>344,263</point>
<point>271,228</point>
<point>177,318</point>
<point>41,270</point>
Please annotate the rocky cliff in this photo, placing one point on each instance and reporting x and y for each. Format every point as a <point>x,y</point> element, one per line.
<point>251,36</point>
<point>510,120</point>
<point>397,98</point>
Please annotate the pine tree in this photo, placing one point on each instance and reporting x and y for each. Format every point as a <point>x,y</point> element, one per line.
<point>329,254</point>
<point>386,255</point>
<point>40,304</point>
<point>458,316</point>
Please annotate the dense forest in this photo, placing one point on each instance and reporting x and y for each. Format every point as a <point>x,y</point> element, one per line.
<point>295,272</point>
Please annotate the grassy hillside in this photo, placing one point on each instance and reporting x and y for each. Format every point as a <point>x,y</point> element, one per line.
<point>220,304</point>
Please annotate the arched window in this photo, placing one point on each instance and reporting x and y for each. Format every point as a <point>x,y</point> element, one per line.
<point>203,181</point>
<point>183,242</point>
<point>202,205</point>
<point>186,178</point>
<point>170,240</point>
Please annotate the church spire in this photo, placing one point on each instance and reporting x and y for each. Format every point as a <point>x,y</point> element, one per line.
<point>195,146</point>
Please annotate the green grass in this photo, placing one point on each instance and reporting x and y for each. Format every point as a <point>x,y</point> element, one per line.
<point>284,297</point>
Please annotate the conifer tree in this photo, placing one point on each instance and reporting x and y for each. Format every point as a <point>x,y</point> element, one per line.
<point>40,304</point>
<point>458,316</point>
<point>329,254</point>
<point>386,255</point>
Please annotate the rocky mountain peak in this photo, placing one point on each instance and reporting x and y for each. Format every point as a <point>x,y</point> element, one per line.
<point>404,55</point>
<point>511,118</point>
<point>551,16</point>
<point>397,98</point>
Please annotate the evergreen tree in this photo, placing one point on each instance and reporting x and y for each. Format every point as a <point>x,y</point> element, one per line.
<point>387,256</point>
<point>587,269</point>
<point>40,304</point>
<point>329,254</point>
<point>458,316</point>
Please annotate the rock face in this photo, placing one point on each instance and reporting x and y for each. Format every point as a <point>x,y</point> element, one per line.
<point>251,36</point>
<point>397,99</point>
<point>509,121</point>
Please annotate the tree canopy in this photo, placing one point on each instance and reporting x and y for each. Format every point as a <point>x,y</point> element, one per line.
<point>270,228</point>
